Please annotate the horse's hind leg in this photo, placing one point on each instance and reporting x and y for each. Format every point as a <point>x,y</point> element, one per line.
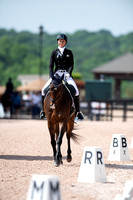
<point>70,126</point>
<point>69,157</point>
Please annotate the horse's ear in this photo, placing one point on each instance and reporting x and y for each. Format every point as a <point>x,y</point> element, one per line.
<point>53,77</point>
<point>62,77</point>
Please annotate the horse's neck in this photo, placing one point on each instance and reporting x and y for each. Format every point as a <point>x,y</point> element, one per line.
<point>58,92</point>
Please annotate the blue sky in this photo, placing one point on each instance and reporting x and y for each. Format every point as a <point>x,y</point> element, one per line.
<point>67,16</point>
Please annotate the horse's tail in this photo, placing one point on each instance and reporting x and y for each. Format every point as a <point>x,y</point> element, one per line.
<point>75,137</point>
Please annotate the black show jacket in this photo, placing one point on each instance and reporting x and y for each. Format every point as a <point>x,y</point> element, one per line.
<point>61,61</point>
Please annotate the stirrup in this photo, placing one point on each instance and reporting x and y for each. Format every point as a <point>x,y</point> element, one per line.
<point>80,115</point>
<point>42,114</point>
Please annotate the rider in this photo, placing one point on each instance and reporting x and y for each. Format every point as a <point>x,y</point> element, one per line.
<point>64,64</point>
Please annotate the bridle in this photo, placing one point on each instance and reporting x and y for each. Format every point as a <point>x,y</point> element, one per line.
<point>54,100</point>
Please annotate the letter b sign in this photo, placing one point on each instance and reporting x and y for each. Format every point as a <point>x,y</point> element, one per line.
<point>118,148</point>
<point>116,142</point>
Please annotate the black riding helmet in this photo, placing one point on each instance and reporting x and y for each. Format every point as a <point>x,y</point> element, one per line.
<point>62,36</point>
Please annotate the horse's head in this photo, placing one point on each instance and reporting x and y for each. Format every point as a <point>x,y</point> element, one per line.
<point>56,81</point>
<point>56,87</point>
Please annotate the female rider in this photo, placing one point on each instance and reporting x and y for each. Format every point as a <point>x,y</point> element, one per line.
<point>63,60</point>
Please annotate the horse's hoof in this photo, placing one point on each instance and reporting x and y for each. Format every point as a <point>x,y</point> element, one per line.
<point>56,164</point>
<point>69,158</point>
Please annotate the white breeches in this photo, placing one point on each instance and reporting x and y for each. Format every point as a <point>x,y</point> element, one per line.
<point>67,77</point>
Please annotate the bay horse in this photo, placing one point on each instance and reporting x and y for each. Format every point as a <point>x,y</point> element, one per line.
<point>57,107</point>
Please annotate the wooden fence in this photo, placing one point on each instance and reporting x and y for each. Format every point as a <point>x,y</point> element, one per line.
<point>104,110</point>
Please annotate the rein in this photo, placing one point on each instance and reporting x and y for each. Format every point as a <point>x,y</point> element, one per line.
<point>54,100</point>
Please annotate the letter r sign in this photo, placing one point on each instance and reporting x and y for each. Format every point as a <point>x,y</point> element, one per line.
<point>89,155</point>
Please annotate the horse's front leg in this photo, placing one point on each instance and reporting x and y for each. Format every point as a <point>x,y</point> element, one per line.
<point>58,159</point>
<point>52,136</point>
<point>53,143</point>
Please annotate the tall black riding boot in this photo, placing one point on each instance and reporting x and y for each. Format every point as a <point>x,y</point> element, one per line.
<point>79,114</point>
<point>42,113</point>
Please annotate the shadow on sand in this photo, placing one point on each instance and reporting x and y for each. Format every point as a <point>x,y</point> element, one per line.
<point>27,157</point>
<point>116,166</point>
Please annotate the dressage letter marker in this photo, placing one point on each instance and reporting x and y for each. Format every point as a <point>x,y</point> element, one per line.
<point>118,148</point>
<point>92,168</point>
<point>44,187</point>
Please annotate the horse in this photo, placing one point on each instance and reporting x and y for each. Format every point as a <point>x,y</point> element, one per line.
<point>60,117</point>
